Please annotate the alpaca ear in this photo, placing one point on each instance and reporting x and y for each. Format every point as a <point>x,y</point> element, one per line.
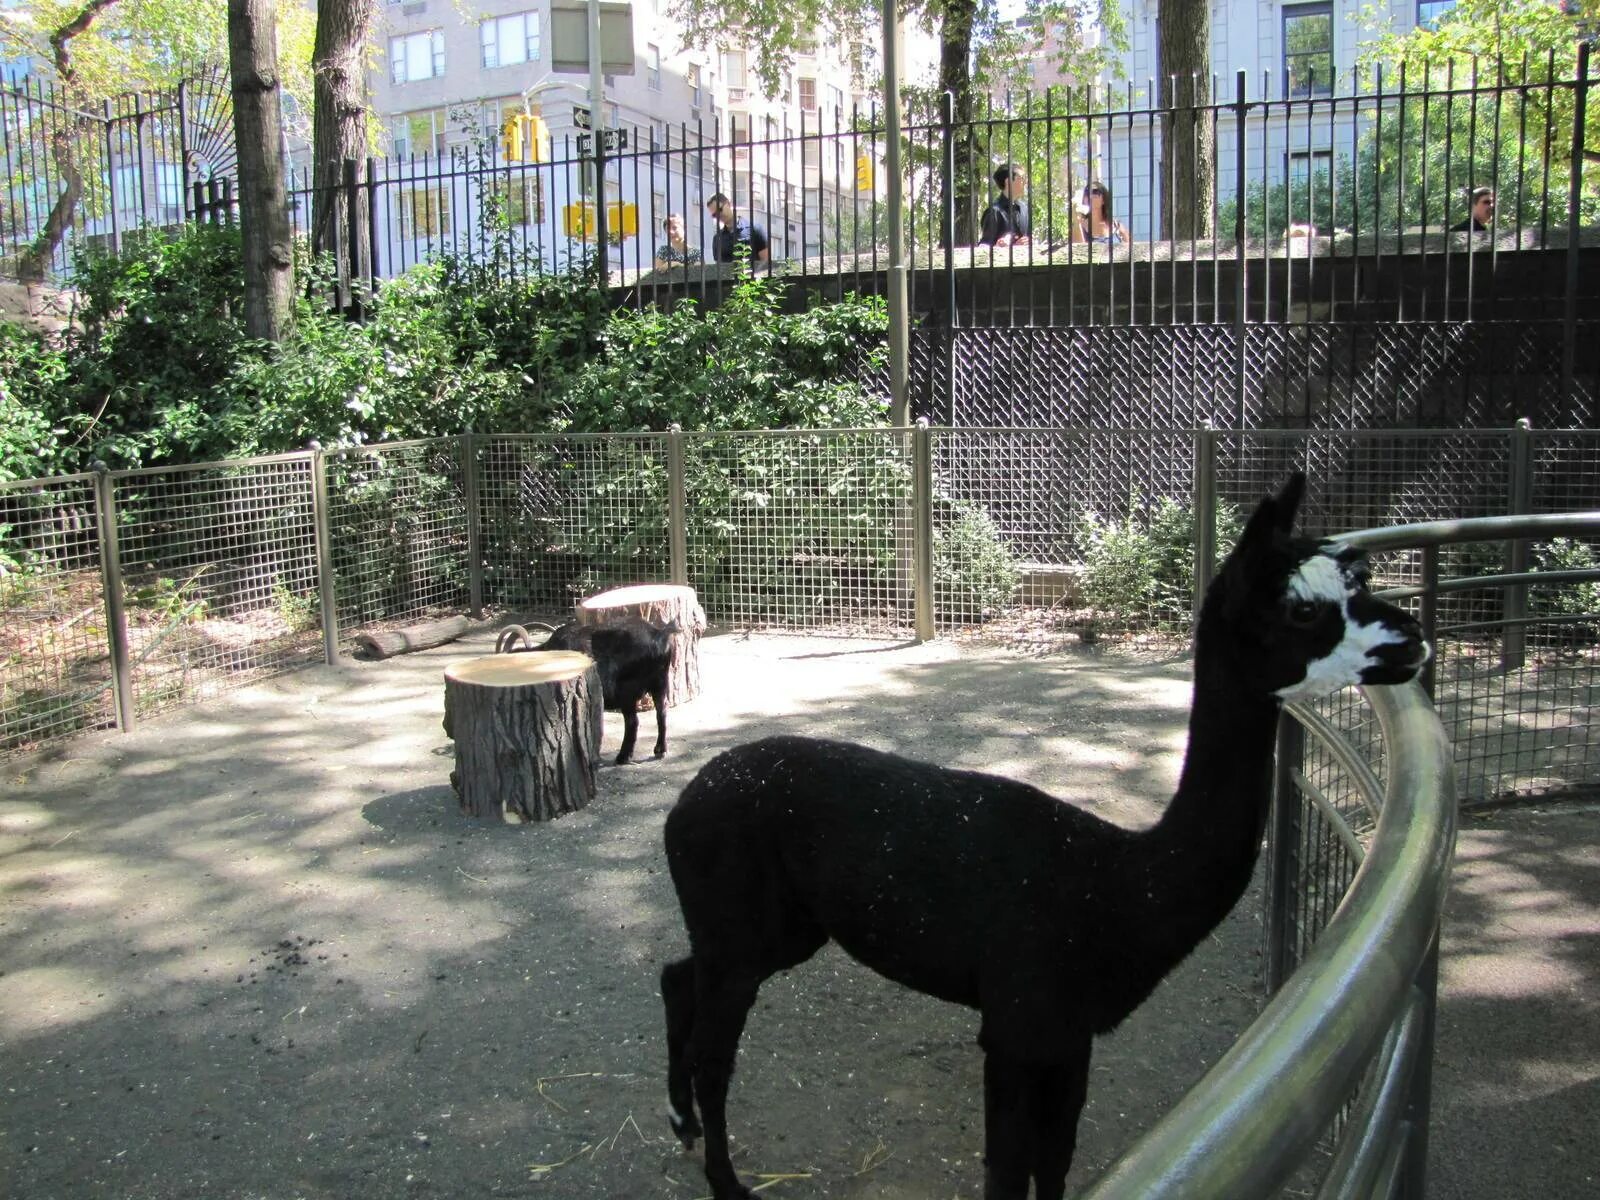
<point>1274,516</point>
<point>1288,500</point>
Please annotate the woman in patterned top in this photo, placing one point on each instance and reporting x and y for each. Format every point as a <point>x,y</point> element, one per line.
<point>675,251</point>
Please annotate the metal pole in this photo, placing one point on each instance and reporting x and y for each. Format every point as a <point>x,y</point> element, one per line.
<point>1283,855</point>
<point>922,528</point>
<point>677,509</point>
<point>597,130</point>
<point>1514,599</point>
<point>111,582</point>
<point>947,218</point>
<point>1569,325</point>
<point>1239,293</point>
<point>326,585</point>
<point>1205,512</point>
<point>474,503</point>
<point>899,330</point>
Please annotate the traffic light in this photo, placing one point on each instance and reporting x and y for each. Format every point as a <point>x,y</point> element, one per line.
<point>538,139</point>
<point>864,173</point>
<point>514,138</point>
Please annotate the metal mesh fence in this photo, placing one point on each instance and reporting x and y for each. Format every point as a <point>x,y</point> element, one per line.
<point>55,668</point>
<point>566,517</point>
<point>807,530</point>
<point>219,575</point>
<point>398,523</point>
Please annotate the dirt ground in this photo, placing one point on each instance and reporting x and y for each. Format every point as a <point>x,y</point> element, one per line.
<point>253,950</point>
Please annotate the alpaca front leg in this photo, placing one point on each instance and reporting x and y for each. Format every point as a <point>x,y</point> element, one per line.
<point>659,699</point>
<point>630,731</point>
<point>1057,1104</point>
<point>721,1006</point>
<point>1007,1129</point>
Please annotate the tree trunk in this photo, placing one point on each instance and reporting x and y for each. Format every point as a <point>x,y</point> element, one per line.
<point>339,133</point>
<point>34,262</point>
<point>263,205</point>
<point>658,602</point>
<point>955,77</point>
<point>1188,151</point>
<point>527,733</point>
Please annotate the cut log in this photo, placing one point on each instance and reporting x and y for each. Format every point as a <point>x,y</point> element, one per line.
<point>527,733</point>
<point>658,602</point>
<point>387,643</point>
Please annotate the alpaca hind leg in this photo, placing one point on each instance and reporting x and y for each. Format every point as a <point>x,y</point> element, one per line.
<point>723,1000</point>
<point>1007,1128</point>
<point>1059,1091</point>
<point>677,997</point>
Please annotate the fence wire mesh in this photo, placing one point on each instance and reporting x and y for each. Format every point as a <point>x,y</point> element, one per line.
<point>398,523</point>
<point>566,517</point>
<point>55,673</point>
<point>219,574</point>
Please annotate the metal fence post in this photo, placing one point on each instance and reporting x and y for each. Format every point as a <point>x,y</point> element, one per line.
<point>1413,1174</point>
<point>1514,599</point>
<point>1569,320</point>
<point>1283,855</point>
<point>947,231</point>
<point>105,505</point>
<point>1205,512</point>
<point>473,499</point>
<point>677,509</point>
<point>1240,293</point>
<point>326,584</point>
<point>922,528</point>
<point>1428,613</point>
<point>352,241</point>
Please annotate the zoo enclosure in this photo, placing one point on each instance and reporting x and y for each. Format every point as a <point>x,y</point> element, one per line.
<point>131,591</point>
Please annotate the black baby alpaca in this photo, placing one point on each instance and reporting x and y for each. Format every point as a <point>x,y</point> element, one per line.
<point>989,893</point>
<point>632,656</point>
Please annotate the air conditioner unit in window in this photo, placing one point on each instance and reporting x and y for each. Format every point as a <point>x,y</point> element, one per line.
<point>736,95</point>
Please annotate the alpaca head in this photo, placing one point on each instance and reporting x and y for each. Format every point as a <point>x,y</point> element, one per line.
<point>1298,617</point>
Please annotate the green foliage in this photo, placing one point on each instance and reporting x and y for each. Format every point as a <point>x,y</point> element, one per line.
<point>1577,599</point>
<point>1141,568</point>
<point>975,574</point>
<point>32,374</point>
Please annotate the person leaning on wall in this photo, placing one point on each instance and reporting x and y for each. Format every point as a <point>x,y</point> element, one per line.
<point>675,251</point>
<point>1005,221</point>
<point>1480,214</point>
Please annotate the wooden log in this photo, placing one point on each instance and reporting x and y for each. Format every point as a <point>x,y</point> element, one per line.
<point>658,602</point>
<point>387,643</point>
<point>527,733</point>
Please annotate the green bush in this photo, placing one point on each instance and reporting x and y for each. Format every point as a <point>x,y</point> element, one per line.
<point>1577,599</point>
<point>1140,569</point>
<point>33,372</point>
<point>975,574</point>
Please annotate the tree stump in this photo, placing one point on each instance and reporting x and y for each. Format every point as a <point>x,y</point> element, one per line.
<point>527,733</point>
<point>658,602</point>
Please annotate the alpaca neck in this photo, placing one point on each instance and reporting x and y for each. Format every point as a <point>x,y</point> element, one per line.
<point>1202,852</point>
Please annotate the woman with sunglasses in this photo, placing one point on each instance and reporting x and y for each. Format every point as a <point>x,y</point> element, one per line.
<point>1095,222</point>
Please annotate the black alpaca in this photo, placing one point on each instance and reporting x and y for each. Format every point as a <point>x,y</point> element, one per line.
<point>632,655</point>
<point>978,890</point>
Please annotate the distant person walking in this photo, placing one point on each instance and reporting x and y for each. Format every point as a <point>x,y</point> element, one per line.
<point>733,230</point>
<point>1481,215</point>
<point>1005,221</point>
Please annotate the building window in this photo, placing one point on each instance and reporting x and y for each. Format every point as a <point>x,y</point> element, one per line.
<point>420,133</point>
<point>1429,11</point>
<point>808,95</point>
<point>424,213</point>
<point>652,66</point>
<point>694,85</point>
<point>786,95</point>
<point>508,41</point>
<point>836,98</point>
<point>416,56</point>
<point>169,185</point>
<point>1308,169</point>
<point>1308,49</point>
<point>522,200</point>
<point>733,67</point>
<point>861,58</point>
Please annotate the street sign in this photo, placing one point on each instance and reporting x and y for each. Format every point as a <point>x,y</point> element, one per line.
<point>569,37</point>
<point>580,116</point>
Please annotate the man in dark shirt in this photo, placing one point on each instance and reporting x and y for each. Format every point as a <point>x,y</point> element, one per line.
<point>1482,213</point>
<point>1005,221</point>
<point>733,230</point>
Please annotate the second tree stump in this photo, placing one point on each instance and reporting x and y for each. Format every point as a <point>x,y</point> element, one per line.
<point>527,733</point>
<point>660,603</point>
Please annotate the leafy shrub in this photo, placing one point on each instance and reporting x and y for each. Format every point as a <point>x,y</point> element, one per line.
<point>32,373</point>
<point>975,574</point>
<point>1141,568</point>
<point>1577,599</point>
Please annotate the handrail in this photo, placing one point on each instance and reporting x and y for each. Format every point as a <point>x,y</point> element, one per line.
<point>1474,529</point>
<point>1245,1127</point>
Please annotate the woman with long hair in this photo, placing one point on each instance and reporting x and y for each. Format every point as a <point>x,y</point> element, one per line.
<point>1095,221</point>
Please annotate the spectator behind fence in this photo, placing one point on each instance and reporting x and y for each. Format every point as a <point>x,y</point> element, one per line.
<point>1005,221</point>
<point>1480,216</point>
<point>1095,221</point>
<point>675,251</point>
<point>733,230</point>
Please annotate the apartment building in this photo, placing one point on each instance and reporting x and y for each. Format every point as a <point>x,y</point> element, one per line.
<point>696,122</point>
<point>1288,51</point>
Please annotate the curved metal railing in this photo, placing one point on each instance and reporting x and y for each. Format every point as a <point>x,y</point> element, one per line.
<point>1345,1045</point>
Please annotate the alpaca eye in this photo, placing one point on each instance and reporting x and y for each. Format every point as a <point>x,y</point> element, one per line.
<point>1304,612</point>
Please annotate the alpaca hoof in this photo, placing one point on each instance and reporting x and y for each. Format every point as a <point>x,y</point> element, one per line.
<point>661,751</point>
<point>686,1129</point>
<point>623,758</point>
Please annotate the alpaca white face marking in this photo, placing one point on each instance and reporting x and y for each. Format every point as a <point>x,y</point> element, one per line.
<point>1332,577</point>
